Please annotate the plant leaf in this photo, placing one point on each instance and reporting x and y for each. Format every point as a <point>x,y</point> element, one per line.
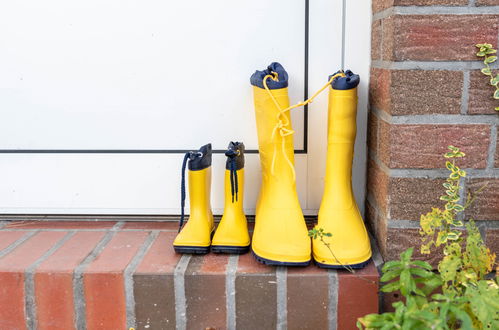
<point>486,71</point>
<point>490,59</point>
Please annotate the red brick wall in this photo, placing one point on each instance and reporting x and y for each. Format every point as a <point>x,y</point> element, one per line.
<point>426,92</point>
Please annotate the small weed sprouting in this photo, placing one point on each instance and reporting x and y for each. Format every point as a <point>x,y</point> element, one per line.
<point>467,298</point>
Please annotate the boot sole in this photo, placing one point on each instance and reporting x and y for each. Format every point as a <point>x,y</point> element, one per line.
<point>192,249</point>
<point>269,262</point>
<point>230,249</point>
<point>353,266</point>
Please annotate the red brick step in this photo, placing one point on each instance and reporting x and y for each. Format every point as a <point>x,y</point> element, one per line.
<point>112,275</point>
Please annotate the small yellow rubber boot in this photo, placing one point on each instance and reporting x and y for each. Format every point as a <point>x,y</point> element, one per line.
<point>232,235</point>
<point>339,213</point>
<point>195,236</point>
<point>280,236</point>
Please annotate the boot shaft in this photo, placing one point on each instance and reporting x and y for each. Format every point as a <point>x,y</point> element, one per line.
<point>199,181</point>
<point>342,128</point>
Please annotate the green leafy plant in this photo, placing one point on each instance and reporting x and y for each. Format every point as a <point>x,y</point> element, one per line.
<point>460,295</point>
<point>487,52</point>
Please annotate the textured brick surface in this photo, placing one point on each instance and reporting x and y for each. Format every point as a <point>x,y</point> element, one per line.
<point>379,5</point>
<point>481,100</point>
<point>152,225</point>
<point>103,281</point>
<point>377,185</point>
<point>496,157</point>
<point>486,204</point>
<point>487,2</point>
<point>9,237</point>
<point>437,37</point>
<point>430,2</point>
<point>492,240</point>
<point>12,268</point>
<point>314,289</point>
<point>376,37</point>
<point>379,89</point>
<point>54,281</point>
<point>409,197</point>
<point>406,146</point>
<point>357,295</point>
<point>256,297</point>
<point>372,132</point>
<point>416,92</point>
<point>205,292</point>
<point>154,285</point>
<point>400,239</point>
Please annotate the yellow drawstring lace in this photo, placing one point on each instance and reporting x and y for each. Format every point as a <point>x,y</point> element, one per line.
<point>281,124</point>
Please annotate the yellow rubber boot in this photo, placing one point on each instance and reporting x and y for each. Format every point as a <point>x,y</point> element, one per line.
<point>232,235</point>
<point>280,236</point>
<point>195,236</point>
<point>339,213</point>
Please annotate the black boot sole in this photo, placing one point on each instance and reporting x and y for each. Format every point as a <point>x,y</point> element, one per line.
<point>352,266</point>
<point>192,249</point>
<point>269,262</point>
<point>230,249</point>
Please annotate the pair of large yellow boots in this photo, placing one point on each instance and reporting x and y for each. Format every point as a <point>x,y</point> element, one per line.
<point>231,235</point>
<point>281,236</point>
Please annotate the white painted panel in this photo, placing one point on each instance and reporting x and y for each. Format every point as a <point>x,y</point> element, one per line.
<point>325,59</point>
<point>141,74</point>
<point>89,75</point>
<point>113,184</point>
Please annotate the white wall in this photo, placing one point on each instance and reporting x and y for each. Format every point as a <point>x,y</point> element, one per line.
<point>157,75</point>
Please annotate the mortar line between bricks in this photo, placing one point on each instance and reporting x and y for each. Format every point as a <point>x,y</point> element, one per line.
<point>78,287</point>
<point>429,65</point>
<point>414,224</point>
<point>435,119</point>
<point>332,311</point>
<point>119,225</point>
<point>375,205</point>
<point>465,92</point>
<point>282,293</point>
<point>230,291</point>
<point>15,244</point>
<point>492,147</point>
<point>436,10</point>
<point>471,3</point>
<point>434,173</point>
<point>29,282</point>
<point>128,277</point>
<point>179,289</point>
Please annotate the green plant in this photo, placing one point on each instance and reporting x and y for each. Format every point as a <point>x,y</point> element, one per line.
<point>486,51</point>
<point>459,296</point>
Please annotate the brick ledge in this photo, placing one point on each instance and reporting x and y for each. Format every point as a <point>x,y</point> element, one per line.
<point>117,275</point>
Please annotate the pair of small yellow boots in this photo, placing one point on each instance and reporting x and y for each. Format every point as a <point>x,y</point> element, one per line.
<point>231,235</point>
<point>280,236</point>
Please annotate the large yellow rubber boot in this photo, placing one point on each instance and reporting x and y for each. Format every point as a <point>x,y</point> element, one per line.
<point>280,236</point>
<point>232,235</point>
<point>339,213</point>
<point>195,236</point>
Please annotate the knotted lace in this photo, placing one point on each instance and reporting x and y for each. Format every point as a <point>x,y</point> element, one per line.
<point>283,121</point>
<point>234,186</point>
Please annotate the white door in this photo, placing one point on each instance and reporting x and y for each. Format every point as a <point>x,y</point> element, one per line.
<point>100,99</point>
